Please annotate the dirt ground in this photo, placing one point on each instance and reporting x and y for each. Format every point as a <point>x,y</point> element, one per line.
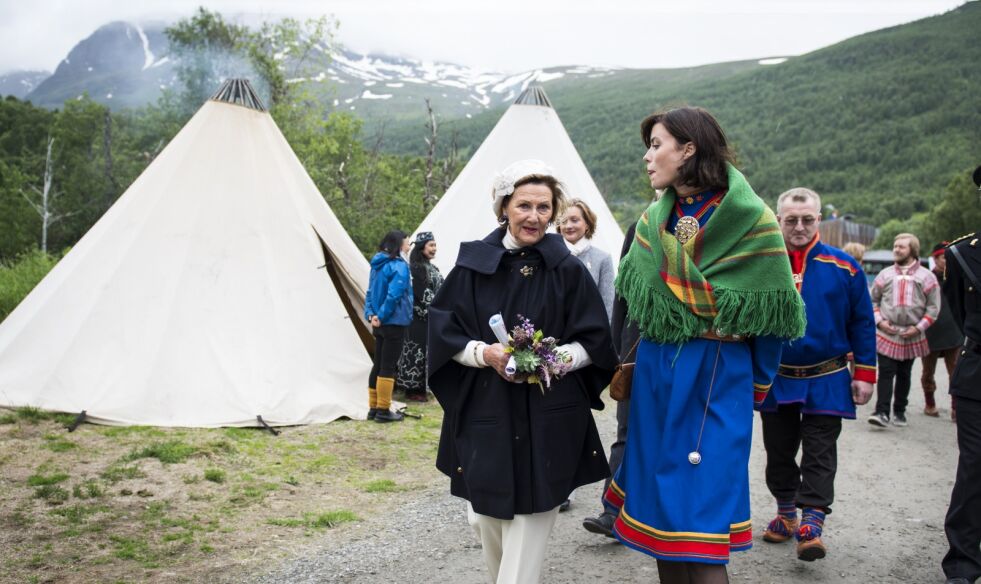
<point>892,490</point>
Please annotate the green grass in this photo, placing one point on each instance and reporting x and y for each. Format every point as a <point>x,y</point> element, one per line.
<point>324,520</point>
<point>122,431</point>
<point>19,275</point>
<point>39,480</point>
<point>89,489</point>
<point>380,486</point>
<point>321,463</point>
<point>215,475</point>
<point>78,513</point>
<point>34,416</point>
<point>30,414</point>
<point>117,473</point>
<point>251,493</point>
<point>53,494</point>
<point>170,452</point>
<point>57,443</point>
<point>136,549</point>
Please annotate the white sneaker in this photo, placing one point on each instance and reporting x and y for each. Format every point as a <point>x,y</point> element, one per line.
<point>880,420</point>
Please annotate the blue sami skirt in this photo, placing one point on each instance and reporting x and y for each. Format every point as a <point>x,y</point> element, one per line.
<point>666,506</point>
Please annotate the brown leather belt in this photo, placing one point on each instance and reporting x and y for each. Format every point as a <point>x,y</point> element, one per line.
<point>817,370</point>
<point>712,335</point>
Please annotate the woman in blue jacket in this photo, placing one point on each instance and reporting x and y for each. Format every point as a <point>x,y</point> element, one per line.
<point>388,307</point>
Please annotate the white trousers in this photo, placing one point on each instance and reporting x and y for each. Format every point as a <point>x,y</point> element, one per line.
<point>513,549</point>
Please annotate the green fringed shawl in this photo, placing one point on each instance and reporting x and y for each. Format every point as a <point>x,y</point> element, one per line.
<point>733,277</point>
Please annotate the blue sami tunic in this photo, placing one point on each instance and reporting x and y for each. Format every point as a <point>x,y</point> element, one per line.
<point>666,506</point>
<point>839,321</point>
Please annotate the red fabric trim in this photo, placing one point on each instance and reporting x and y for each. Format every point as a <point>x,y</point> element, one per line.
<point>759,395</point>
<point>613,498</point>
<point>677,548</point>
<point>867,375</point>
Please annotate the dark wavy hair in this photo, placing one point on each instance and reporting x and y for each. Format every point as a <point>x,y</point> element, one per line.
<point>391,244</point>
<point>707,168</point>
<point>416,256</point>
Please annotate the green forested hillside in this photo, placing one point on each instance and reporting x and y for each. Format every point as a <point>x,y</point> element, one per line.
<point>878,124</point>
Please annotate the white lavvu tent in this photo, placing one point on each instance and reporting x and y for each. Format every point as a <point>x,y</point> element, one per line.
<point>530,128</point>
<point>200,299</point>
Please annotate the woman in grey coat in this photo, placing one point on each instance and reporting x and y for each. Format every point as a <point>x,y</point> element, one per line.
<point>577,226</point>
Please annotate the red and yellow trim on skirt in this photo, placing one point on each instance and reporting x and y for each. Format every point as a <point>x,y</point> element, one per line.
<point>759,392</point>
<point>677,544</point>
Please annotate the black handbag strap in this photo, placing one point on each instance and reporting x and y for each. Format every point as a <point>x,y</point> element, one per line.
<point>967,269</point>
<point>633,349</point>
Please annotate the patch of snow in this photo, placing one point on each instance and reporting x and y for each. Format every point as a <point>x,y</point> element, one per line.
<point>416,81</point>
<point>451,83</point>
<point>160,62</point>
<point>147,55</point>
<point>369,83</point>
<point>108,96</point>
<point>369,95</point>
<point>510,82</point>
<point>543,77</point>
<point>349,100</point>
<point>774,61</point>
<point>352,107</point>
<point>162,86</point>
<point>90,68</point>
<point>395,85</point>
<point>337,102</point>
<point>483,100</point>
<point>469,116</point>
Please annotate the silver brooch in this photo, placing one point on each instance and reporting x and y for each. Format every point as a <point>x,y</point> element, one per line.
<point>527,271</point>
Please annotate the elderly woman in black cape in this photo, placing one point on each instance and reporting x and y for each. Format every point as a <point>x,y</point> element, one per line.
<point>512,451</point>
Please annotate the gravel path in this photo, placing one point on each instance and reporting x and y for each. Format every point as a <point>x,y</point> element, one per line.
<point>892,491</point>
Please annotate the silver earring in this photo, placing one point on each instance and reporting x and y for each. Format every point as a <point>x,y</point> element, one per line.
<point>503,220</point>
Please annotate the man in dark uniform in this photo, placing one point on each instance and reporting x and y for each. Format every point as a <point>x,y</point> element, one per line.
<point>962,289</point>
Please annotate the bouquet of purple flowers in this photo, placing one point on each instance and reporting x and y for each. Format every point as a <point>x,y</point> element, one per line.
<point>535,355</point>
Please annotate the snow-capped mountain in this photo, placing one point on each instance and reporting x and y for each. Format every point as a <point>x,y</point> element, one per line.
<point>360,80</point>
<point>125,64</point>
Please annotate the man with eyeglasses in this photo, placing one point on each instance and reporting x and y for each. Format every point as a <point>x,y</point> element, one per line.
<point>906,299</point>
<point>814,389</point>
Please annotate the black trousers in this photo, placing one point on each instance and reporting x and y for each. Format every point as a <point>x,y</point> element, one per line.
<point>812,484</point>
<point>616,449</point>
<point>902,371</point>
<point>388,347</point>
<point>963,522</point>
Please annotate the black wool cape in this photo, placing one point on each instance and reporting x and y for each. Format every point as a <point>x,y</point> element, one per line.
<point>507,448</point>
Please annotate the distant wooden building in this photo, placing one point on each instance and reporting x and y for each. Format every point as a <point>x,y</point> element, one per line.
<point>838,232</point>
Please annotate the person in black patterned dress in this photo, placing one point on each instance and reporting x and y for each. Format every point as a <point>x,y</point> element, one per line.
<point>426,280</point>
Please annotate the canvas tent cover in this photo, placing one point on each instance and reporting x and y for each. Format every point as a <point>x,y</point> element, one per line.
<point>199,298</point>
<point>530,128</point>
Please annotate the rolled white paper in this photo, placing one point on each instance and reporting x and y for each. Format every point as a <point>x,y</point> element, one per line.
<point>501,332</point>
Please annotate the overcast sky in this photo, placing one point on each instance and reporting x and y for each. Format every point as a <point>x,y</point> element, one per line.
<point>501,35</point>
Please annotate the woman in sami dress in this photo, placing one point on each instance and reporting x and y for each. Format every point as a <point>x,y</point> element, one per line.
<point>708,282</point>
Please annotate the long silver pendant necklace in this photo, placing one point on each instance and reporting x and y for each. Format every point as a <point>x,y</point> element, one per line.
<point>695,457</point>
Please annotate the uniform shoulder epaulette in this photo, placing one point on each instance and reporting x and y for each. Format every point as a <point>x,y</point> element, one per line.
<point>962,238</point>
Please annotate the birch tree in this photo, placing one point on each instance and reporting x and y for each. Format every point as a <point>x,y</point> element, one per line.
<point>43,200</point>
